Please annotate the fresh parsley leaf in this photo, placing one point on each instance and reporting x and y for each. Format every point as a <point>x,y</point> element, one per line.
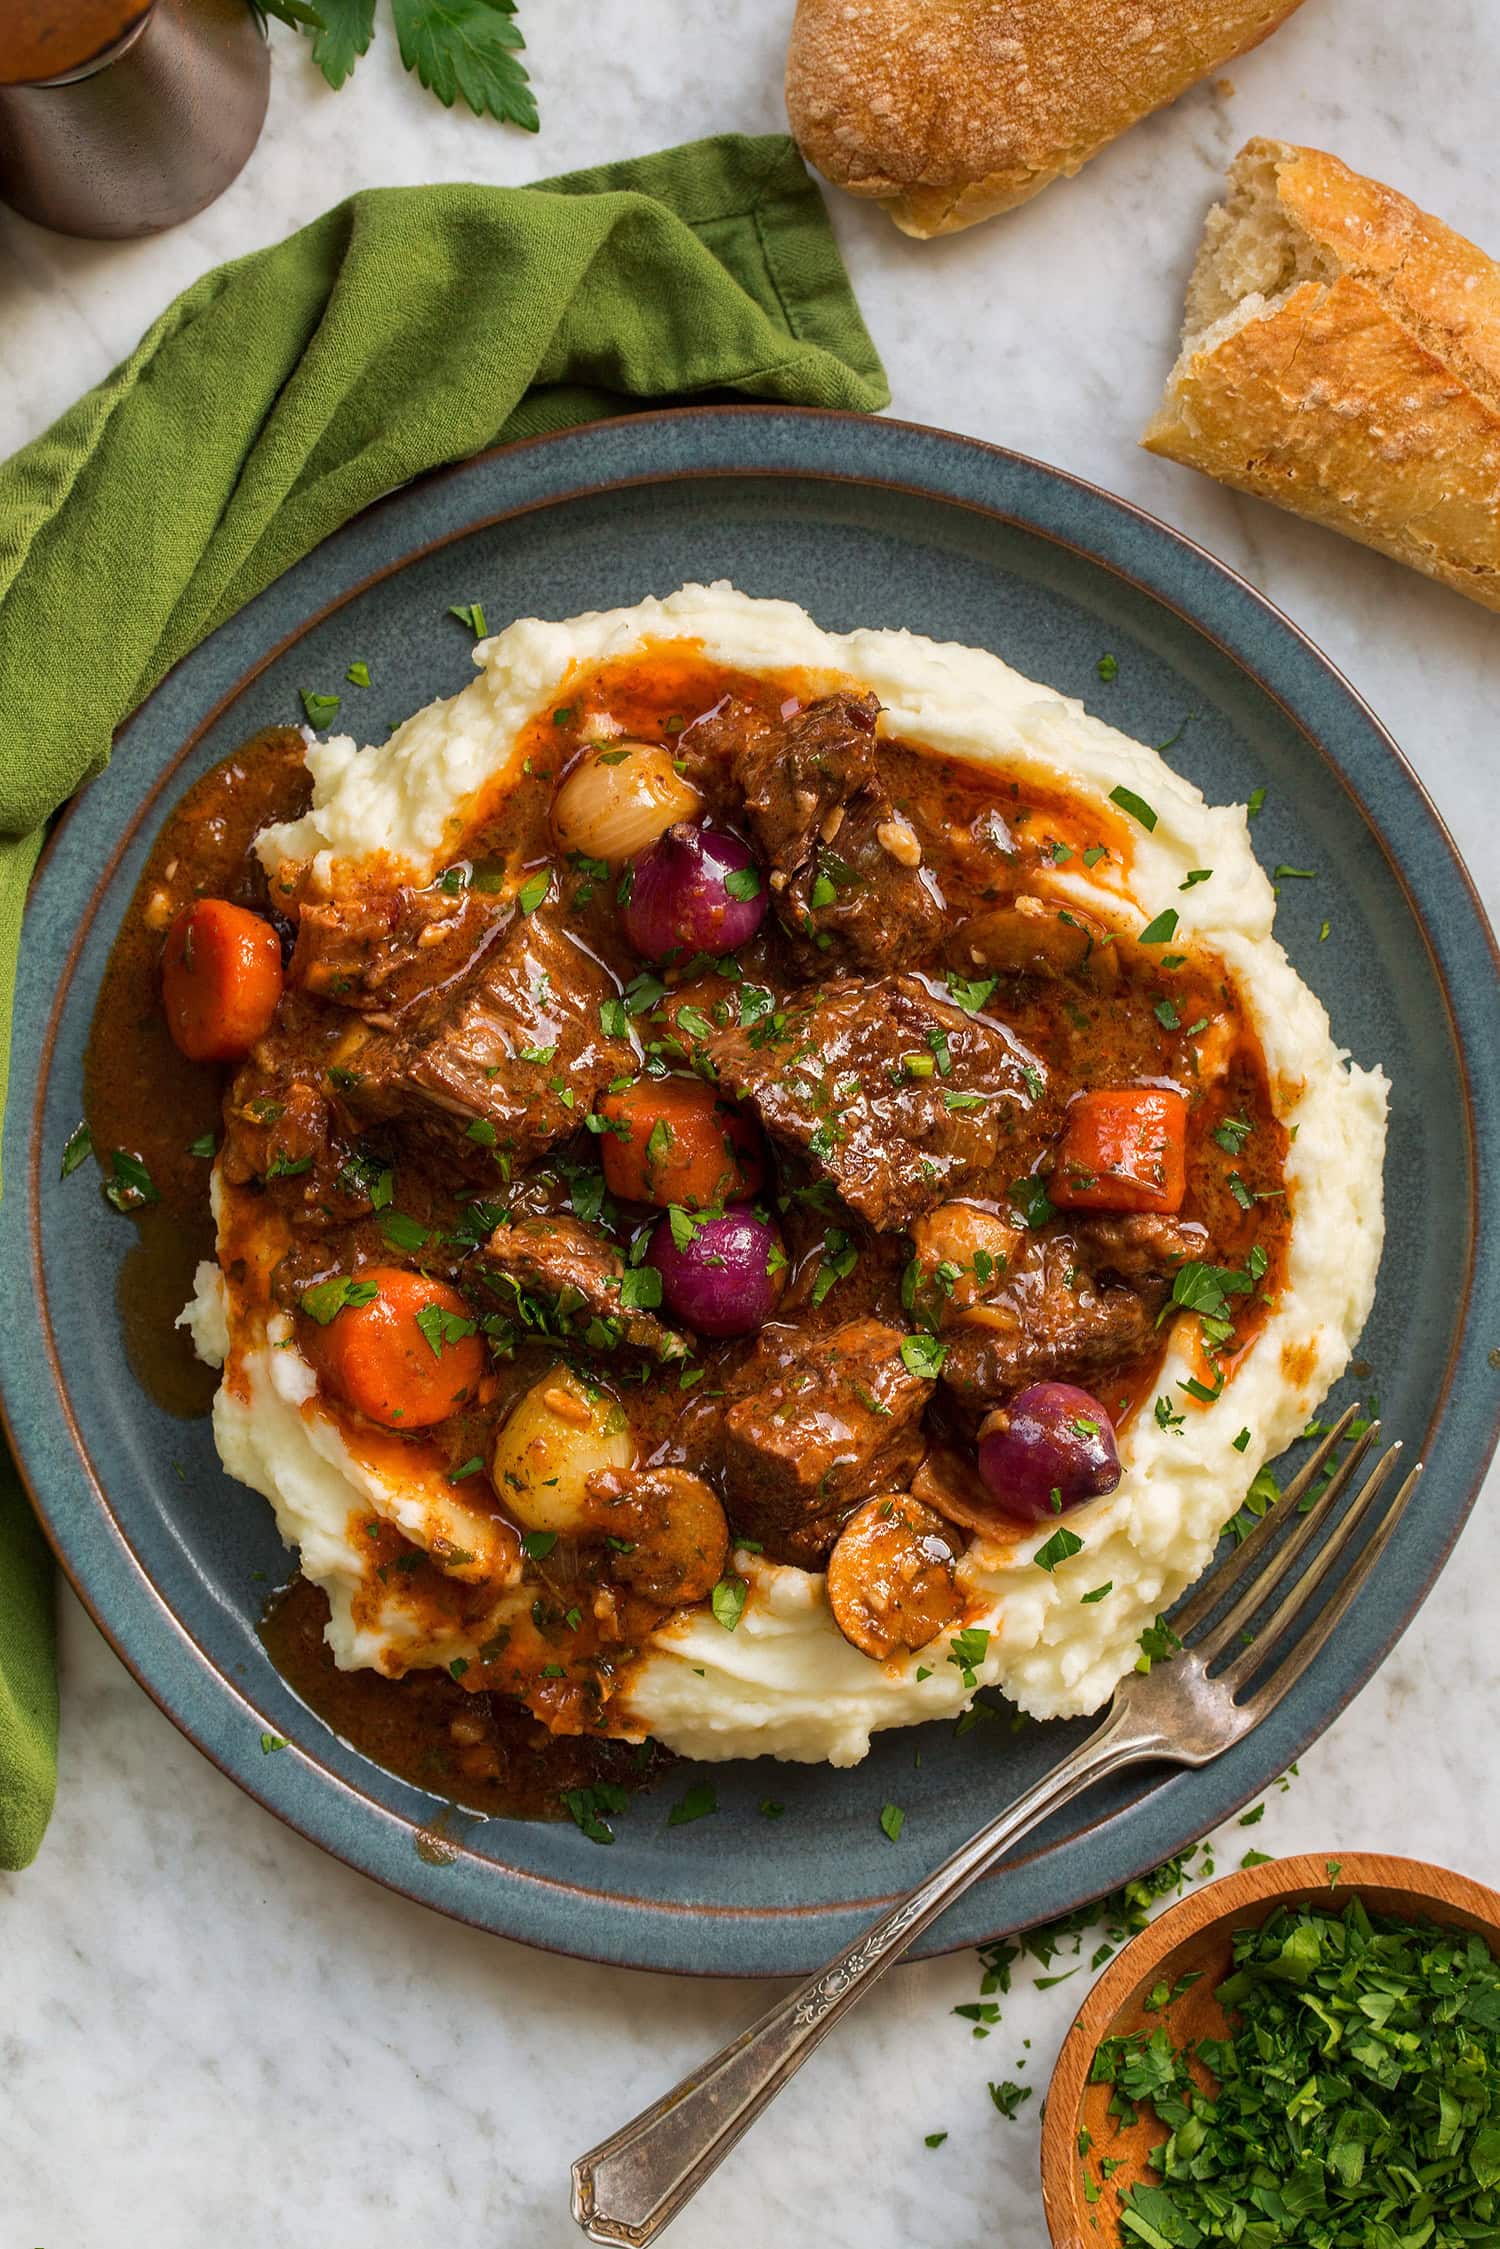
<point>77,1148</point>
<point>534,889</point>
<point>403,1232</point>
<point>1136,806</point>
<point>1032,1200</point>
<point>130,1186</point>
<point>892,1820</point>
<point>469,613</point>
<point>1232,1134</point>
<point>699,1801</point>
<point>970,992</point>
<point>923,1355</point>
<point>1255,800</point>
<point>1098,1593</point>
<point>1195,875</point>
<point>537,1545</point>
<point>320,709</point>
<point>1058,1548</point>
<point>743,883</point>
<point>326,1299</point>
<point>1162,930</point>
<point>440,1328</point>
<point>640,1289</point>
<point>727,1601</point>
<point>1108,668</point>
<point>467,48</point>
<point>358,674</point>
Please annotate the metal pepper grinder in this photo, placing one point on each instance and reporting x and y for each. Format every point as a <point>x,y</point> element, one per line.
<point>122,117</point>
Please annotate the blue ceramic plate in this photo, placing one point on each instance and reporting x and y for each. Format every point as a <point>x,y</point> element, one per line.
<point>866,523</point>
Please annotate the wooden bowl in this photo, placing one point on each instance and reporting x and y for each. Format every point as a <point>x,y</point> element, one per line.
<point>1195,1934</point>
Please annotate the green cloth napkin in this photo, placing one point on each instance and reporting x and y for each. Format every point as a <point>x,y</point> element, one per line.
<point>281,394</point>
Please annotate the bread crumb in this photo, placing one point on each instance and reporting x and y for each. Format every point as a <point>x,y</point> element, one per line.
<point>1224,87</point>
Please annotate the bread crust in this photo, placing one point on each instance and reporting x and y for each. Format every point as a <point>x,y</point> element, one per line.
<point>1367,400</point>
<point>948,111</point>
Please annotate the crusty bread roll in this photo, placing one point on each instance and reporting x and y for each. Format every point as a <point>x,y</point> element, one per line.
<point>948,111</point>
<point>1341,356</point>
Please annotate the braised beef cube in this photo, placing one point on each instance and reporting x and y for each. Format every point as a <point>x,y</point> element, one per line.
<point>1142,1250</point>
<point>586,1292</point>
<point>797,775</point>
<point>1052,1322</point>
<point>818,1422</point>
<point>510,1060</point>
<point>376,950</point>
<point>864,900</point>
<point>894,1096</point>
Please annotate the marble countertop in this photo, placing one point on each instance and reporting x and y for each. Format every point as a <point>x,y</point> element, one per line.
<point>208,2031</point>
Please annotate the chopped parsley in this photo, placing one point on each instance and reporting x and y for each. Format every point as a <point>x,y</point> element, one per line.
<point>1108,668</point>
<point>1060,1546</point>
<point>77,1148</point>
<point>892,1820</point>
<point>699,1801</point>
<point>439,1327</point>
<point>1253,803</point>
<point>1294,874</point>
<point>1195,875</point>
<point>640,1289</point>
<point>537,1545</point>
<point>1352,2097</point>
<point>326,1299</point>
<point>923,1355</point>
<point>470,613</point>
<point>358,675</point>
<point>1232,1134</point>
<point>1162,930</point>
<point>319,708</point>
<point>1098,1593</point>
<point>728,1601</point>
<point>402,1232</point>
<point>534,889</point>
<point>586,1808</point>
<point>970,992</point>
<point>967,1651</point>
<point>130,1185</point>
<point>1136,806</point>
<point>1032,1200</point>
<point>743,883</point>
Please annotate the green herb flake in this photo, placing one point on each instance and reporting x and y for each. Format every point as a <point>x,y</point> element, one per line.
<point>1099,1593</point>
<point>923,1355</point>
<point>77,1149</point>
<point>699,1801</point>
<point>934,2139</point>
<point>130,1185</point>
<point>358,675</point>
<point>892,1820</point>
<point>319,708</point>
<point>1195,875</point>
<point>728,1601</point>
<point>743,883</point>
<point>1059,1548</point>
<point>326,1299</point>
<point>270,1743</point>
<point>1136,806</point>
<point>1108,668</point>
<point>1162,930</point>
<point>534,889</point>
<point>470,613</point>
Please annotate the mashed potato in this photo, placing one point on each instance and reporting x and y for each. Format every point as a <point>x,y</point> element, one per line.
<point>786,1682</point>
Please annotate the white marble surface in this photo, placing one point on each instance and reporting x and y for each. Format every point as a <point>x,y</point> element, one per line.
<point>208,2031</point>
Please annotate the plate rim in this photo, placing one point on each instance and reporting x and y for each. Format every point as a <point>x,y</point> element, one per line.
<point>1161,539</point>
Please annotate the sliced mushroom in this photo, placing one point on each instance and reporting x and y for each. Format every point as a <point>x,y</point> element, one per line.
<point>891,1577</point>
<point>1036,937</point>
<point>961,1254</point>
<point>665,1530</point>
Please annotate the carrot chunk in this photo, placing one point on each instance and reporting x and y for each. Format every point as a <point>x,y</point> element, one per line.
<point>406,1356</point>
<point>220,980</point>
<point>1123,1150</point>
<point>674,1140</point>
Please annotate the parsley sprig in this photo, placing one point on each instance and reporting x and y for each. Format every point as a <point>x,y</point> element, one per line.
<point>459,49</point>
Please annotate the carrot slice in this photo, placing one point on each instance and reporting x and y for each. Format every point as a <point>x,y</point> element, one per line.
<point>220,979</point>
<point>1125,1149</point>
<point>674,1140</point>
<point>407,1357</point>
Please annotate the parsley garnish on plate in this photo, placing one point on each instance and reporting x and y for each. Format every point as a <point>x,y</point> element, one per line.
<point>1059,1548</point>
<point>77,1148</point>
<point>728,1601</point>
<point>1136,806</point>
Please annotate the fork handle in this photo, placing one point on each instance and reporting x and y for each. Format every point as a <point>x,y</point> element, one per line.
<point>630,2186</point>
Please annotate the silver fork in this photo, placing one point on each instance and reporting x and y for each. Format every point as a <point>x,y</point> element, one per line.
<point>1186,1711</point>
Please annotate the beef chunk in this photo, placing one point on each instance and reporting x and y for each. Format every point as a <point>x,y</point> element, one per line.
<point>864,900</point>
<point>1052,1322</point>
<point>845,868</point>
<point>1142,1250</point>
<point>895,1097</point>
<point>578,1274</point>
<point>505,1062</point>
<point>817,1423</point>
<point>375,951</point>
<point>795,776</point>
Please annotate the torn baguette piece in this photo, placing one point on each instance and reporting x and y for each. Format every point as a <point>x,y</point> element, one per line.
<point>949,111</point>
<point>1341,356</point>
